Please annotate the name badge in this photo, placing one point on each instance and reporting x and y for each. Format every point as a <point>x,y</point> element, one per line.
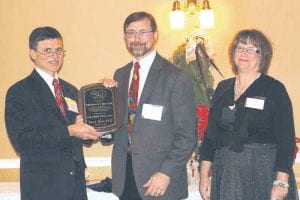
<point>71,104</point>
<point>153,112</point>
<point>255,102</point>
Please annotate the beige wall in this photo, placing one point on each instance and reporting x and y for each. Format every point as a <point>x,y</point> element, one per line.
<point>92,31</point>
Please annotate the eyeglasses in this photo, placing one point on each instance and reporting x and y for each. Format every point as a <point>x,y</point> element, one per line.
<point>49,52</point>
<point>248,50</point>
<point>140,33</point>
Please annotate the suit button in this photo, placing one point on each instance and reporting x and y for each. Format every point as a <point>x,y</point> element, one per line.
<point>72,173</point>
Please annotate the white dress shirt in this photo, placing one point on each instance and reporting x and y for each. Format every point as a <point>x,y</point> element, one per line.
<point>145,65</point>
<point>47,78</point>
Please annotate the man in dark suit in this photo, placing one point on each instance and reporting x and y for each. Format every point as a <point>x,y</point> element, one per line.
<point>42,125</point>
<point>158,135</point>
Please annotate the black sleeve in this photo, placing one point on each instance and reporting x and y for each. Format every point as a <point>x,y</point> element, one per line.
<point>207,147</point>
<point>283,127</point>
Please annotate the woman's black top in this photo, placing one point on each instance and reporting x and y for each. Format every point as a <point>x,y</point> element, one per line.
<point>262,114</point>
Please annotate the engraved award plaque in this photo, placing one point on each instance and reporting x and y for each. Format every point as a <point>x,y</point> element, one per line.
<point>99,107</point>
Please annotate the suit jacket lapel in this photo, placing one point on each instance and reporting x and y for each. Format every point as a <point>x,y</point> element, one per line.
<point>123,90</point>
<point>151,79</point>
<point>44,93</point>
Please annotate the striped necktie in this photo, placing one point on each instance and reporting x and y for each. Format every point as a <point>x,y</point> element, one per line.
<point>59,97</point>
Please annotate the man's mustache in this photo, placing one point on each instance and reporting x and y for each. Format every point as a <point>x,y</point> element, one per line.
<point>137,44</point>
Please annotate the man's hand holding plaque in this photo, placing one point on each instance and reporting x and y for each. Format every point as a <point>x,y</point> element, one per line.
<point>82,130</point>
<point>99,106</point>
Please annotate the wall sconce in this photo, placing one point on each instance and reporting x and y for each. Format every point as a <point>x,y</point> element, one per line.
<point>206,15</point>
<point>176,16</point>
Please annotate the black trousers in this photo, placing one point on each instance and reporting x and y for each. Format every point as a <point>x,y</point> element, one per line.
<point>130,191</point>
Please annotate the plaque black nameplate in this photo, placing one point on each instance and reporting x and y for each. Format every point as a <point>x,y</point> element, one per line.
<point>99,107</point>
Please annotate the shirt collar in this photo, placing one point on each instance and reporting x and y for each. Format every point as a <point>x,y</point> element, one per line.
<point>47,78</point>
<point>146,61</point>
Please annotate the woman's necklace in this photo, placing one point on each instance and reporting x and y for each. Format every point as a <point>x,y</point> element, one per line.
<point>237,91</point>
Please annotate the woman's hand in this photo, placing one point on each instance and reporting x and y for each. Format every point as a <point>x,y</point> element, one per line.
<point>205,183</point>
<point>204,188</point>
<point>278,193</point>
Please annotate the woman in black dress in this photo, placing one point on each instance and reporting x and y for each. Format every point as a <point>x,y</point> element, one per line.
<point>247,152</point>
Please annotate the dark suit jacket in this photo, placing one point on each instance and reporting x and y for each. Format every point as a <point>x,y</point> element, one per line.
<point>164,145</point>
<point>39,133</point>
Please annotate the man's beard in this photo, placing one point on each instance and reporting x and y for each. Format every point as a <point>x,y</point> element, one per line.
<point>138,49</point>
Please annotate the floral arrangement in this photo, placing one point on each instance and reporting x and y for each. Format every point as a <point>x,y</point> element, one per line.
<point>194,56</point>
<point>202,94</point>
<point>185,57</point>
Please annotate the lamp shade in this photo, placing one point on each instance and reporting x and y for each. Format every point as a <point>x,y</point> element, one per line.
<point>177,19</point>
<point>207,19</point>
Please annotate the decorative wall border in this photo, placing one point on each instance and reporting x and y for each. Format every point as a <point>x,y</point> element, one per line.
<point>90,162</point>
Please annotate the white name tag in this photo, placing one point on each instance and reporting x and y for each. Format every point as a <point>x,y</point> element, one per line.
<point>71,104</point>
<point>153,112</point>
<point>255,102</point>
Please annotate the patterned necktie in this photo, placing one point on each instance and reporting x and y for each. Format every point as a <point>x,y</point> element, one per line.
<point>133,101</point>
<point>59,97</point>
